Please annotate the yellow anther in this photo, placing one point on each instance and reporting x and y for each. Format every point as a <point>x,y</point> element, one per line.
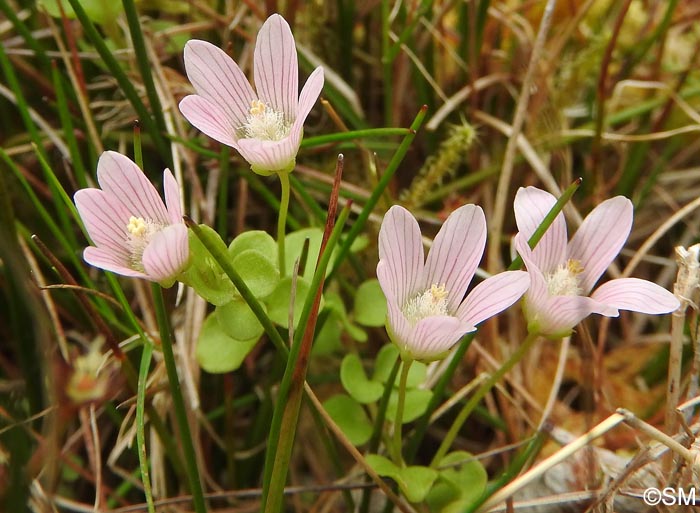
<point>438,292</point>
<point>574,266</point>
<point>136,226</point>
<point>257,108</point>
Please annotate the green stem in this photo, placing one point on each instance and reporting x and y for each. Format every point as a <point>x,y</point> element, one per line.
<point>479,395</point>
<point>421,427</point>
<point>282,223</point>
<point>399,412</point>
<point>140,435</point>
<point>351,135</point>
<point>284,419</point>
<point>373,444</point>
<point>178,401</point>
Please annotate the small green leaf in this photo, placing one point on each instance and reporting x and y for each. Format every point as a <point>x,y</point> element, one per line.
<point>383,466</point>
<point>204,274</point>
<point>238,321</point>
<point>294,243</point>
<point>418,481</point>
<point>257,271</point>
<point>357,333</point>
<point>254,239</point>
<point>370,304</point>
<point>415,481</point>
<point>384,362</point>
<point>355,381</point>
<point>351,418</point>
<point>98,11</point>
<point>360,243</point>
<point>416,402</point>
<point>327,340</point>
<point>278,301</point>
<point>462,480</point>
<point>217,352</point>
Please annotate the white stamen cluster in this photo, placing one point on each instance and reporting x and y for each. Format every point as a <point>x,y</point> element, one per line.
<point>264,123</point>
<point>429,303</point>
<point>140,233</point>
<point>564,281</point>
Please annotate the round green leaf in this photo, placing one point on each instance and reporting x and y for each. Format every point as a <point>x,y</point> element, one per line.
<point>462,480</point>
<point>257,271</point>
<point>204,274</point>
<point>255,239</point>
<point>98,11</point>
<point>278,301</point>
<point>238,321</point>
<point>415,404</point>
<point>327,339</point>
<point>350,417</point>
<point>355,381</point>
<point>370,304</point>
<point>357,333</point>
<point>384,362</point>
<point>217,352</point>
<point>415,481</point>
<point>294,245</point>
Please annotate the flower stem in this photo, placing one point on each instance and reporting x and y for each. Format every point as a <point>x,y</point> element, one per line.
<point>140,434</point>
<point>399,411</point>
<point>282,222</point>
<point>178,401</point>
<point>479,395</point>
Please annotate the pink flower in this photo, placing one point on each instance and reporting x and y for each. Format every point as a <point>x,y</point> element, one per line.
<point>427,311</point>
<point>563,275</point>
<point>134,233</point>
<point>265,127</point>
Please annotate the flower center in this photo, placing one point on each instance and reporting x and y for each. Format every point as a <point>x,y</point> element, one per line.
<point>429,303</point>
<point>140,233</point>
<point>264,123</point>
<point>563,281</point>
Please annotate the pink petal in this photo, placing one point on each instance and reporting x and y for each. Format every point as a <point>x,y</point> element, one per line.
<point>210,119</point>
<point>167,253</point>
<point>556,316</point>
<point>120,178</point>
<point>268,157</point>
<point>109,261</point>
<point>531,207</point>
<point>636,295</point>
<point>538,283</point>
<point>105,220</point>
<point>401,251</point>
<point>397,325</point>
<point>492,296</point>
<point>218,79</point>
<point>172,197</point>
<point>433,336</point>
<point>600,238</point>
<point>275,67</point>
<point>307,99</point>
<point>456,252</point>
